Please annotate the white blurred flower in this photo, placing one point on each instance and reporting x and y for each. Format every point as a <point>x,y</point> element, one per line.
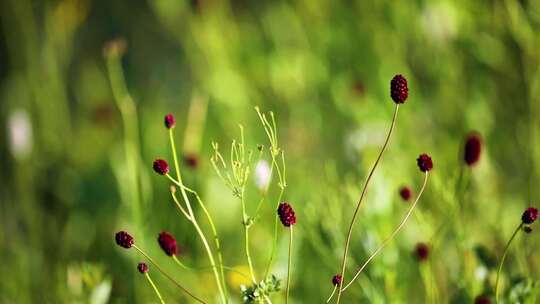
<point>481,273</point>
<point>262,175</point>
<point>20,133</point>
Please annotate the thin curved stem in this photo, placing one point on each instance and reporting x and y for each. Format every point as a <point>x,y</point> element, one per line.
<point>332,295</point>
<point>364,190</point>
<point>168,276</point>
<point>180,263</point>
<point>274,241</point>
<point>289,263</point>
<point>147,276</point>
<point>394,233</point>
<point>502,261</point>
<point>214,233</point>
<point>219,283</point>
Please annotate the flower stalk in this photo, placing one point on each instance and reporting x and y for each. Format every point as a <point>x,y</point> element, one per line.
<point>364,190</point>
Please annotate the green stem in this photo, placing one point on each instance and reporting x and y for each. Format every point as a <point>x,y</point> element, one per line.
<point>394,233</point>
<point>219,283</point>
<point>180,263</point>
<point>355,214</point>
<point>246,237</point>
<point>168,276</point>
<point>214,233</point>
<point>154,287</point>
<point>274,241</point>
<point>502,261</point>
<point>289,263</point>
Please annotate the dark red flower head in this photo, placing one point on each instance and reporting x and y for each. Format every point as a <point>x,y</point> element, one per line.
<point>142,267</point>
<point>473,148</point>
<point>123,239</point>
<point>191,160</point>
<point>424,162</point>
<point>421,251</point>
<point>286,214</point>
<point>398,89</point>
<point>161,166</point>
<point>530,215</point>
<point>167,243</point>
<point>169,121</point>
<point>482,300</point>
<point>336,280</point>
<point>405,193</point>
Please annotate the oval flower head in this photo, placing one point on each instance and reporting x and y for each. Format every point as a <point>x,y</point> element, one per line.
<point>473,149</point>
<point>399,91</point>
<point>530,215</point>
<point>160,166</point>
<point>169,120</point>
<point>424,162</point>
<point>167,242</point>
<point>142,268</point>
<point>286,214</point>
<point>123,239</point>
<point>336,280</point>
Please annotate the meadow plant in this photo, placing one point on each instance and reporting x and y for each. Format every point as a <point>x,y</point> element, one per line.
<point>235,171</point>
<point>235,175</point>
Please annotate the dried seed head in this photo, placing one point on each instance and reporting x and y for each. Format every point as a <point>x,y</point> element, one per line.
<point>424,162</point>
<point>473,149</point>
<point>398,89</point>
<point>167,242</point>
<point>336,280</point>
<point>170,122</point>
<point>123,239</point>
<point>142,267</point>
<point>421,252</point>
<point>286,214</point>
<point>161,166</point>
<point>405,193</point>
<point>530,215</point>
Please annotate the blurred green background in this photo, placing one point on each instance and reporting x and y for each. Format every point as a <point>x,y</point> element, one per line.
<point>76,161</point>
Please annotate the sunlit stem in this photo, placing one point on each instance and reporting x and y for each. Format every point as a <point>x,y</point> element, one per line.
<point>332,294</point>
<point>394,233</point>
<point>214,234</point>
<point>289,263</point>
<point>220,284</point>
<point>502,261</point>
<point>167,275</point>
<point>180,263</point>
<point>274,241</point>
<point>246,238</point>
<point>147,276</point>
<point>355,214</point>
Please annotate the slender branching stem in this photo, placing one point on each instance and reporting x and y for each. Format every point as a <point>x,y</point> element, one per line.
<point>214,233</point>
<point>220,284</point>
<point>289,263</point>
<point>355,214</point>
<point>168,276</point>
<point>502,260</point>
<point>392,235</point>
<point>147,276</point>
